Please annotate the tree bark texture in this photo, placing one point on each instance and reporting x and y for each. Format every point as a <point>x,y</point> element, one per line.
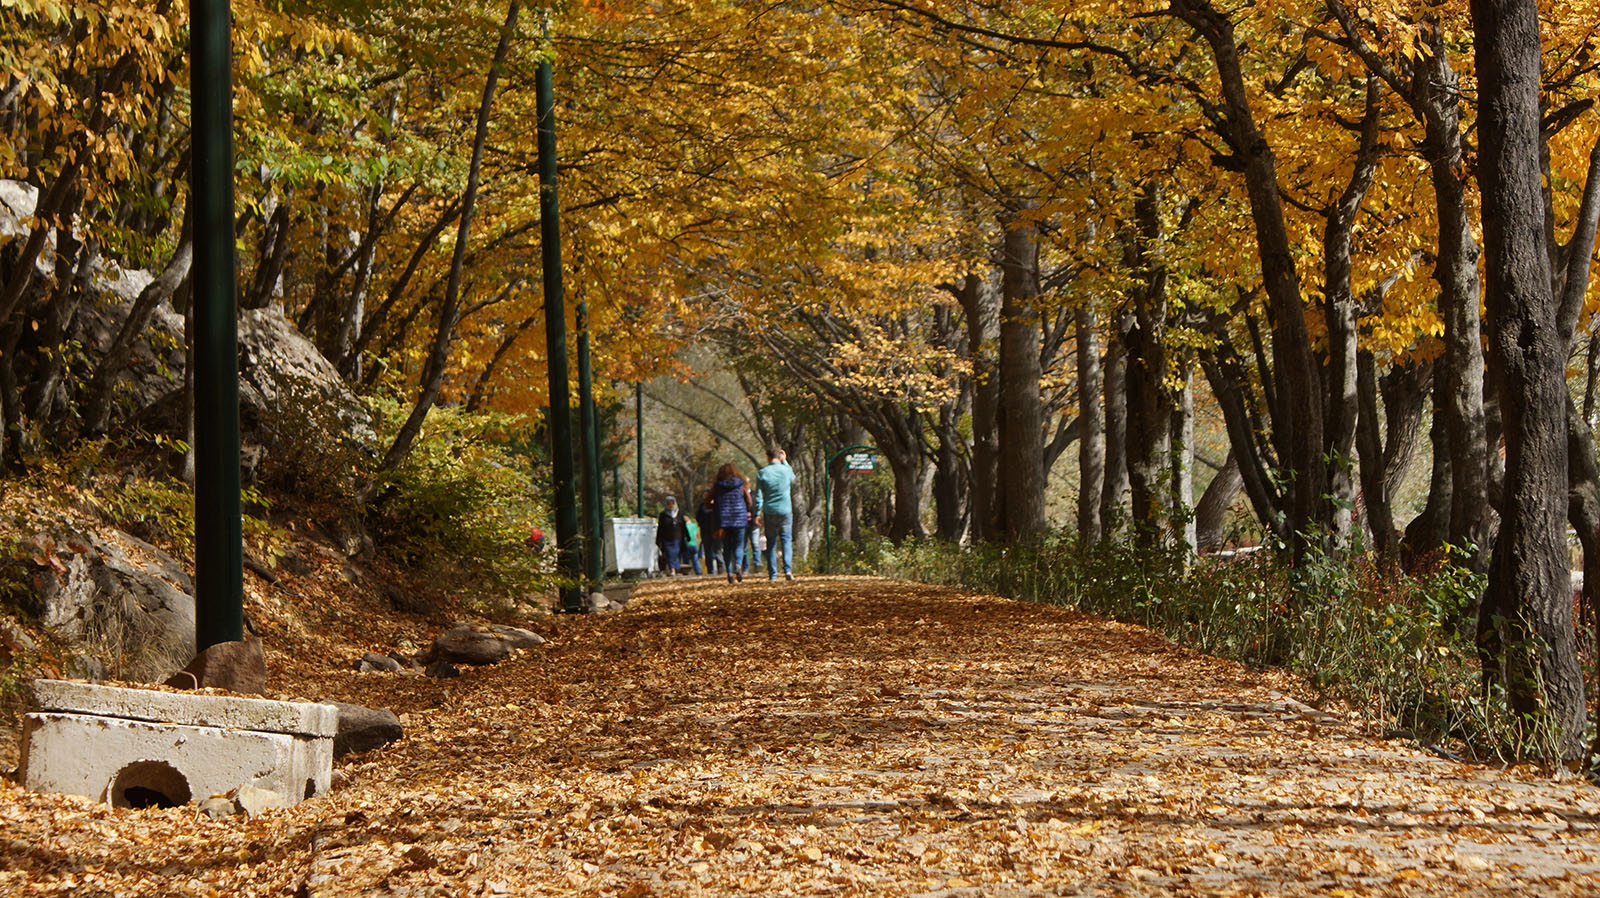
<point>1211,512</point>
<point>1525,628</point>
<point>1298,429</point>
<point>1150,402</point>
<point>1091,430</point>
<point>1115,487</point>
<point>1021,440</point>
<point>980,303</point>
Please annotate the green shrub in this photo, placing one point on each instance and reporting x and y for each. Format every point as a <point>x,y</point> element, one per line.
<point>459,507</point>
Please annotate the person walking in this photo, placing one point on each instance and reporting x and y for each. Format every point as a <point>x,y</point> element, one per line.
<point>775,503</point>
<point>691,542</point>
<point>706,517</point>
<point>670,535</point>
<point>731,493</point>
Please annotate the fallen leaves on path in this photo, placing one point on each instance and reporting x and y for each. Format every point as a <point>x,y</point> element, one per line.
<point>842,736</point>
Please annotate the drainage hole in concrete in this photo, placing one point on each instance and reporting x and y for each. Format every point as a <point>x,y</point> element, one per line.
<point>149,784</point>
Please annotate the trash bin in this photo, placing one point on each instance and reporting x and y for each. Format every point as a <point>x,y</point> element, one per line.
<point>630,545</point>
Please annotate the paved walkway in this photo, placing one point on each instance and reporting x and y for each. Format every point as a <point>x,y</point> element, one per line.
<point>851,736</point>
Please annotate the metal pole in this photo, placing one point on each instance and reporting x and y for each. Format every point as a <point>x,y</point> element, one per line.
<point>827,516</point>
<point>596,555</point>
<point>638,453</point>
<point>827,503</point>
<point>218,540</point>
<point>555,326</point>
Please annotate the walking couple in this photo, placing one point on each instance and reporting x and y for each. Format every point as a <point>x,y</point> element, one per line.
<point>737,506</point>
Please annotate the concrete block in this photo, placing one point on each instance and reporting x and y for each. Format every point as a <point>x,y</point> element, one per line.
<point>101,742</point>
<point>264,715</point>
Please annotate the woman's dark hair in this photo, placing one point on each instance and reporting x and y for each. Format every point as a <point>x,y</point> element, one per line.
<point>726,471</point>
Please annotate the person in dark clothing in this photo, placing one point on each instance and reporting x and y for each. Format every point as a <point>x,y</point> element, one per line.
<point>731,494</point>
<point>710,544</point>
<point>670,535</point>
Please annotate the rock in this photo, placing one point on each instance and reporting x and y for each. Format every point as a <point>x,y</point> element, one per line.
<point>251,801</point>
<point>374,661</point>
<point>363,729</point>
<point>516,637</point>
<point>598,602</point>
<point>234,666</point>
<point>84,667</point>
<point>406,662</point>
<point>93,592</point>
<point>14,640</point>
<point>468,644</point>
<point>278,367</point>
<point>293,562</point>
<point>218,806</point>
<point>441,670</point>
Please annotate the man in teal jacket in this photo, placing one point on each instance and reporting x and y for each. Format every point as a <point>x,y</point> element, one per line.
<point>774,503</point>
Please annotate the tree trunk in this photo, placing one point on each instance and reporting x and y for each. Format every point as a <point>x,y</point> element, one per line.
<point>1525,626</point>
<point>1021,434</point>
<point>1091,430</point>
<point>1182,511</point>
<point>102,384</point>
<point>79,258</point>
<point>1343,409</point>
<point>1298,431</point>
<point>1115,488</point>
<point>1211,513</point>
<point>1369,445</point>
<point>948,477</point>
<point>979,301</point>
<point>1437,98</point>
<point>1228,378</point>
<point>1150,405</point>
<point>439,357</point>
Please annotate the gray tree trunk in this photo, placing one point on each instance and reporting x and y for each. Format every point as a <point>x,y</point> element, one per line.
<point>1021,443</point>
<point>1525,626</point>
<point>1091,430</point>
<point>981,304</point>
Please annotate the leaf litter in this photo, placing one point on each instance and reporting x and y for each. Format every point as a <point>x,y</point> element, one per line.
<point>839,736</point>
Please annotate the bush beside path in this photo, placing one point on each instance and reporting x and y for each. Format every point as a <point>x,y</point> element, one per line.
<point>843,736</point>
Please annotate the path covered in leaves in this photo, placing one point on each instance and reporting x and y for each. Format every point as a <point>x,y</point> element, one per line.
<point>844,737</point>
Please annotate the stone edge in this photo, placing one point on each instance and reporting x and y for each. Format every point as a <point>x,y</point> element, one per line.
<point>226,711</point>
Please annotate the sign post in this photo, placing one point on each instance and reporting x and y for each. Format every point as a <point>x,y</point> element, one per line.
<point>858,458</point>
<point>218,537</point>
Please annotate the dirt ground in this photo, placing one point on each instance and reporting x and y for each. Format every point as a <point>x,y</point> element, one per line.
<point>840,736</point>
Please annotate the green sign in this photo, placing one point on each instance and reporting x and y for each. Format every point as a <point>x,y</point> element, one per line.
<point>864,462</point>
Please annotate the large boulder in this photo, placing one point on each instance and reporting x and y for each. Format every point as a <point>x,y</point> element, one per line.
<point>279,368</point>
<point>363,729</point>
<point>127,602</point>
<point>238,666</point>
<point>467,643</point>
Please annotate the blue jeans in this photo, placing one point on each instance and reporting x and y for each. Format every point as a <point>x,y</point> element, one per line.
<point>694,558</point>
<point>779,527</point>
<point>670,549</point>
<point>733,549</point>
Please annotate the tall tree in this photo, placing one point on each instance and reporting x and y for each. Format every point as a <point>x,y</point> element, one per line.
<point>1525,624</point>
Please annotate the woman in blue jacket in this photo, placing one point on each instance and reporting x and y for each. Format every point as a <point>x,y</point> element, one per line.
<point>731,494</point>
